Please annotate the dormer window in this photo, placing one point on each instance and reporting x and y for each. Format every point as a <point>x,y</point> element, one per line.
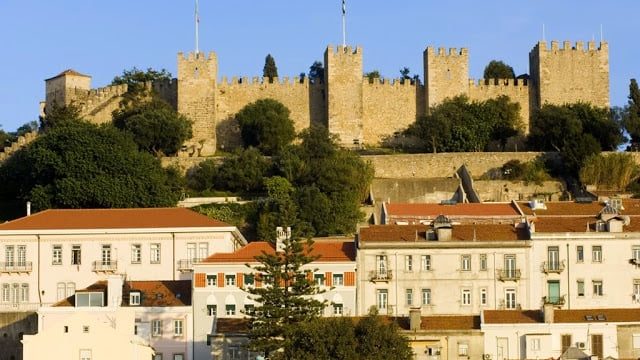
<point>89,299</point>
<point>134,298</point>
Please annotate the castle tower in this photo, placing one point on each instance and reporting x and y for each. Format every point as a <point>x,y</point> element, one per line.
<point>569,74</point>
<point>343,79</point>
<point>196,99</point>
<point>61,88</point>
<point>446,74</point>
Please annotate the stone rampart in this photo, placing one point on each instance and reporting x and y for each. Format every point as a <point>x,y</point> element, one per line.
<point>504,190</point>
<point>516,89</point>
<point>20,142</point>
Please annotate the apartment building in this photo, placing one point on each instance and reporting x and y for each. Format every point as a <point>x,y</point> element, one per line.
<point>45,257</point>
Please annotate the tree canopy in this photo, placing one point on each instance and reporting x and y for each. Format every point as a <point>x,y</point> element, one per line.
<point>58,114</point>
<point>80,165</point>
<point>610,172</point>
<point>497,69</point>
<point>372,75</point>
<point>631,114</point>
<point>265,124</point>
<point>270,69</point>
<point>316,72</point>
<point>136,78</point>
<point>156,127</point>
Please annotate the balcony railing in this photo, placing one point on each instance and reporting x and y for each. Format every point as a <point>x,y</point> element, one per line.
<point>378,275</point>
<point>553,300</point>
<point>553,267</point>
<point>187,264</point>
<point>15,267</point>
<point>508,274</point>
<point>105,266</point>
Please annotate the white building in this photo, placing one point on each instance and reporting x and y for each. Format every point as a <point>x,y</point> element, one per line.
<point>46,256</point>
<point>442,268</point>
<point>221,280</point>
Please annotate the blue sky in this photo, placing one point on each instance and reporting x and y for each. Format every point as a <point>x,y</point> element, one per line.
<point>101,38</point>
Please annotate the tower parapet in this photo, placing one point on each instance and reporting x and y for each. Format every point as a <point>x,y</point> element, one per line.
<point>446,74</point>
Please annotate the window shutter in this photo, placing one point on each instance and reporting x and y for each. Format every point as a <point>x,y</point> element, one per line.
<point>240,280</point>
<point>200,280</point>
<point>220,279</point>
<point>350,278</point>
<point>327,278</point>
<point>258,280</point>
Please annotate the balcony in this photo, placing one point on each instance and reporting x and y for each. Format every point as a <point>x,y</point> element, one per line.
<point>377,275</point>
<point>508,274</point>
<point>554,300</point>
<point>553,267</point>
<point>105,266</point>
<point>15,267</point>
<point>185,265</point>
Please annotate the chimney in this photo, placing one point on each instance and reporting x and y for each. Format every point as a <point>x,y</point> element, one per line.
<point>415,319</point>
<point>28,208</point>
<point>548,313</point>
<point>281,236</point>
<point>114,291</point>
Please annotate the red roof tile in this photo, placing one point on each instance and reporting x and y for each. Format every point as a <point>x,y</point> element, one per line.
<point>414,233</point>
<point>76,219</point>
<point>327,250</point>
<point>576,224</point>
<point>153,293</point>
<point>450,322</point>
<point>571,208</point>
<point>513,316</point>
<point>457,210</point>
<point>606,315</point>
<point>68,72</point>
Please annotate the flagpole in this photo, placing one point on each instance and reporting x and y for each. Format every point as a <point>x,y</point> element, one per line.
<point>197,21</point>
<point>344,24</point>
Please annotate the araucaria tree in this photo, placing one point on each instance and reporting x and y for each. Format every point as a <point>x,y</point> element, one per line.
<point>270,69</point>
<point>631,114</point>
<point>285,297</point>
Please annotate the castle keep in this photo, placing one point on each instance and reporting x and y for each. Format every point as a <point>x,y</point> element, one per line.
<point>358,111</point>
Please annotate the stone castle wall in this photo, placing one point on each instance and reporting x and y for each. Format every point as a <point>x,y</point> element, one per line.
<point>517,90</point>
<point>446,74</point>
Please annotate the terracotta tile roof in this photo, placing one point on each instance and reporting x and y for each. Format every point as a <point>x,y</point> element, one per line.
<point>513,316</point>
<point>230,325</point>
<point>414,233</point>
<point>153,293</point>
<point>577,224</point>
<point>571,208</point>
<point>452,211</point>
<point>450,322</point>
<point>68,72</point>
<point>610,315</point>
<point>328,250</point>
<point>76,219</point>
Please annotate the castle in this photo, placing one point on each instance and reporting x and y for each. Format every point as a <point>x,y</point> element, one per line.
<point>358,111</point>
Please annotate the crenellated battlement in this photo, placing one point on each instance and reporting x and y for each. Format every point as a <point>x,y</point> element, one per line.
<point>397,82</point>
<point>344,50</point>
<point>499,82</point>
<point>264,81</point>
<point>441,51</point>
<point>568,46</point>
<point>192,56</point>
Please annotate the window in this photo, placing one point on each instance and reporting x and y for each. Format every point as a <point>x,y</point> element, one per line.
<point>76,255</point>
<point>510,266</point>
<point>157,356</point>
<point>177,327</point>
<point>426,296</point>
<point>381,264</point>
<point>463,349</point>
<point>134,298</point>
<point>636,341</point>
<point>249,309</point>
<point>579,253</point>
<point>580,287</point>
<point>156,328</point>
<point>22,255</point>
<point>553,257</point>
<point>319,279</point>
<point>136,254</point>
<point>6,290</point>
<point>178,356</point>
<point>233,352</point>
<point>9,255</point>
<point>56,257</point>
<point>154,250</point>
<point>483,262</point>
<point>90,299</point>
<point>191,251</point>
<point>203,250</point>
<point>230,309</point>
<point>408,263</point>
<point>338,309</point>
<point>106,254</point>
<point>635,254</point>
<point>466,297</point>
<point>85,329</point>
<point>212,280</point>
<point>535,344</point>
<point>597,288</point>
<point>338,279</point>
<point>382,296</point>
<point>636,290</point>
<point>248,279</point>
<point>212,310</point>
<point>483,297</point>
<point>510,298</point>
<point>409,296</point>
<point>71,289</point>
<point>229,280</point>
<point>465,263</point>
<point>425,262</point>
<point>61,291</point>
<point>565,340</point>
<point>596,253</point>
<point>85,354</point>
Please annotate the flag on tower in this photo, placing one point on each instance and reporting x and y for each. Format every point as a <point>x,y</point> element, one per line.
<point>344,7</point>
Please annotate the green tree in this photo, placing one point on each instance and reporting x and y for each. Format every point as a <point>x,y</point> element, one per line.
<point>286,298</point>
<point>5,139</point>
<point>202,176</point>
<point>156,127</point>
<point>323,339</point>
<point>497,69</point>
<point>404,76</point>
<point>631,114</point>
<point>243,172</point>
<point>265,124</point>
<point>279,209</point>
<point>378,339</point>
<point>609,172</point>
<point>136,81</point>
<point>81,165</point>
<point>270,70</point>
<point>316,72</point>
<point>372,75</point>
<point>59,114</point>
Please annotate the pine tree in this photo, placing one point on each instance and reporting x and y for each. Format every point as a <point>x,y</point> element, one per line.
<point>285,297</point>
<point>270,70</point>
<point>631,117</point>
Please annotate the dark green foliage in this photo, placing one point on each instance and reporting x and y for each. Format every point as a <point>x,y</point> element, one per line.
<point>323,339</point>
<point>156,127</point>
<point>202,176</point>
<point>404,76</point>
<point>498,70</point>
<point>316,72</point>
<point>285,298</point>
<point>59,114</point>
<point>242,171</point>
<point>270,69</point>
<point>530,172</point>
<point>611,172</point>
<point>136,78</point>
<point>265,124</point>
<point>379,340</point>
<point>372,75</point>
<point>243,216</point>
<point>279,209</point>
<point>457,125</point>
<point>631,114</point>
<point>80,165</point>
<point>5,139</point>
